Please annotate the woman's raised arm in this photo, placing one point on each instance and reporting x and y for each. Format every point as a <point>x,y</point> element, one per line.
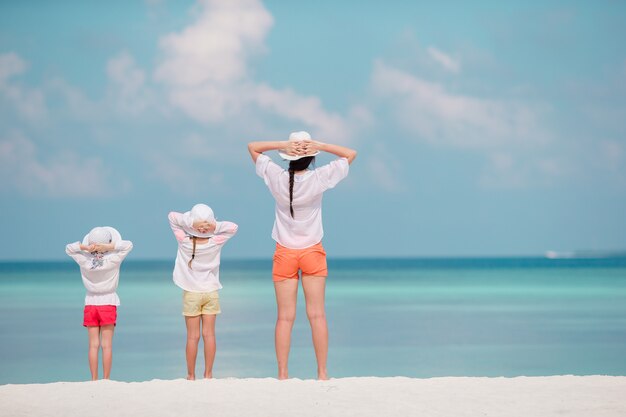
<point>340,151</point>
<point>289,147</point>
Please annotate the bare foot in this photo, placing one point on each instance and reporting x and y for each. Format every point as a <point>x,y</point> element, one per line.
<point>191,377</point>
<point>322,376</point>
<point>208,375</point>
<point>283,376</point>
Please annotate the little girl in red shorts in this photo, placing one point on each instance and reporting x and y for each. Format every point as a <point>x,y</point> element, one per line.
<point>99,256</point>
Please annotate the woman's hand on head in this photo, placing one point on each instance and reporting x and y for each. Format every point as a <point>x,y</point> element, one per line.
<point>295,148</point>
<point>311,146</point>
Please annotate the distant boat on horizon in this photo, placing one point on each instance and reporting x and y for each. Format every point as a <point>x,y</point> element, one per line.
<point>586,254</point>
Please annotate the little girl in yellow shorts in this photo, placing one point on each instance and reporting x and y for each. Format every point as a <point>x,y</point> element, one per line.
<point>196,271</point>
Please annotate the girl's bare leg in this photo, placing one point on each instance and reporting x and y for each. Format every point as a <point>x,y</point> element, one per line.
<point>208,336</point>
<point>286,298</point>
<point>94,346</point>
<point>106,341</point>
<point>314,290</point>
<point>191,351</point>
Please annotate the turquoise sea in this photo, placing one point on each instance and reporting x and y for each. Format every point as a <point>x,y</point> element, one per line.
<point>387,317</point>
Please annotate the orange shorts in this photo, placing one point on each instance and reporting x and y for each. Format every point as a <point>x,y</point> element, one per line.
<point>287,262</point>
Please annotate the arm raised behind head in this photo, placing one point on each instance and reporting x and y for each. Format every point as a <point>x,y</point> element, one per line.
<point>340,151</point>
<point>290,147</point>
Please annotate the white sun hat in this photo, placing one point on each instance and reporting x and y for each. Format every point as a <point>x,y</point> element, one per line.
<point>199,212</point>
<point>297,137</point>
<point>103,234</point>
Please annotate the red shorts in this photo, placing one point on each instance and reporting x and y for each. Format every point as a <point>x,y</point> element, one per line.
<point>287,262</point>
<point>99,315</point>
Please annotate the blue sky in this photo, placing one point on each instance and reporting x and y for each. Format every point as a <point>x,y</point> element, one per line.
<point>491,128</point>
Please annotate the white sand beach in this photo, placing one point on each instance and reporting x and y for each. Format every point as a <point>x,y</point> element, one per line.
<point>588,396</point>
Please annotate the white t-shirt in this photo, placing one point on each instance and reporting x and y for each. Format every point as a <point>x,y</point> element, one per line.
<point>305,228</point>
<point>204,274</point>
<point>100,272</point>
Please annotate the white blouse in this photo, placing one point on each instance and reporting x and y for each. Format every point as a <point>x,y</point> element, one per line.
<point>305,228</point>
<point>100,272</point>
<point>204,274</point>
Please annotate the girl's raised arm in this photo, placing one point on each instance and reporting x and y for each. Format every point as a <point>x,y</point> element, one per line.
<point>121,248</point>
<point>76,251</point>
<point>224,231</point>
<point>177,223</point>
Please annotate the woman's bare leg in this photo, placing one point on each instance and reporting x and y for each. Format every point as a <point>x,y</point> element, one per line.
<point>106,341</point>
<point>314,291</point>
<point>286,298</point>
<point>191,351</point>
<point>94,347</point>
<point>208,336</point>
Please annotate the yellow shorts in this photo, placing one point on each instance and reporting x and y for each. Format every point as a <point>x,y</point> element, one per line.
<point>196,303</point>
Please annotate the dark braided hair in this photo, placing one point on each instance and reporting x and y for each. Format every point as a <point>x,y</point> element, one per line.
<point>297,165</point>
<point>193,253</point>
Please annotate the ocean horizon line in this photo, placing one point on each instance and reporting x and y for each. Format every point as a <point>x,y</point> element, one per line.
<point>548,254</point>
<point>614,259</point>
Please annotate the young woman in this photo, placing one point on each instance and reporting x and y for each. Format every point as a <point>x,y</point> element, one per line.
<point>197,272</point>
<point>298,234</point>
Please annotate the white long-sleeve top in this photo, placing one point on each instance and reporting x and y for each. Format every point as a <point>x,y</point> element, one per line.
<point>100,272</point>
<point>204,274</point>
<point>305,228</point>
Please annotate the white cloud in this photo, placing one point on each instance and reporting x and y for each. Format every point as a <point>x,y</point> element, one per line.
<point>446,61</point>
<point>383,176</point>
<point>308,110</point>
<point>518,151</point>
<point>29,103</point>
<point>361,117</point>
<point>75,104</point>
<point>127,83</point>
<point>179,175</point>
<point>382,168</point>
<point>205,66</point>
<point>205,70</point>
<point>63,174</point>
<point>196,146</point>
<point>217,46</point>
<point>504,170</point>
<point>552,167</point>
<point>456,120</point>
<point>10,64</point>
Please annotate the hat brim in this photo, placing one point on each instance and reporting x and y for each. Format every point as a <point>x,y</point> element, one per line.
<point>115,235</point>
<point>193,232</point>
<point>295,157</point>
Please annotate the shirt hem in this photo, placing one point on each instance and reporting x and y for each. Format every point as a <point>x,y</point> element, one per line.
<point>303,247</point>
<point>196,290</point>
